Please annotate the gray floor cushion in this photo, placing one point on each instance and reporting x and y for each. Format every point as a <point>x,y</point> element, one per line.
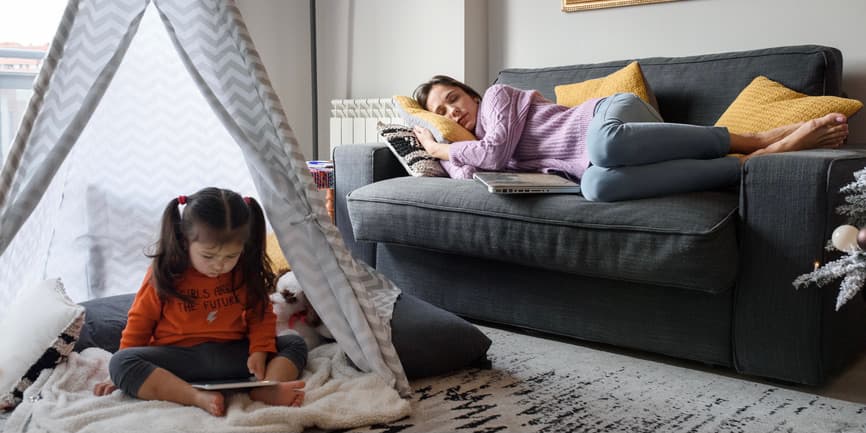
<point>428,339</point>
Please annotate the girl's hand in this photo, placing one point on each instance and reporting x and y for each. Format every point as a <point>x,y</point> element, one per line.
<point>256,364</point>
<point>435,149</point>
<point>104,388</point>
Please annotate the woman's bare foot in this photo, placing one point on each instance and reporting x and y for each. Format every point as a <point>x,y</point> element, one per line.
<point>776,134</point>
<point>282,394</point>
<point>211,401</point>
<point>827,131</point>
<point>750,142</point>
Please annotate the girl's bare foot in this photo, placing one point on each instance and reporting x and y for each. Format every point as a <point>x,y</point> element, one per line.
<point>282,394</point>
<point>164,385</point>
<point>211,401</point>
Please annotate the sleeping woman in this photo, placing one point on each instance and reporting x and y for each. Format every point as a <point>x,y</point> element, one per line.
<point>618,147</point>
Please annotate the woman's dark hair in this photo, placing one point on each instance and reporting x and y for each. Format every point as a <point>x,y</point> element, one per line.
<point>217,216</point>
<point>422,92</point>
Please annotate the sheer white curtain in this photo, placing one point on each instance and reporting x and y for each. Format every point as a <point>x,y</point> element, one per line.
<point>152,138</point>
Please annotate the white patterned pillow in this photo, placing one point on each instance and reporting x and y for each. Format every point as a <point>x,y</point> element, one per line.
<point>38,332</point>
<point>405,146</point>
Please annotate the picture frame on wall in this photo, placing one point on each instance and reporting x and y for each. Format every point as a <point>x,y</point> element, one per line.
<point>582,5</point>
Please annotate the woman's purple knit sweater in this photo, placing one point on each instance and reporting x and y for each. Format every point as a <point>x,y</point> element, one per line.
<point>519,130</point>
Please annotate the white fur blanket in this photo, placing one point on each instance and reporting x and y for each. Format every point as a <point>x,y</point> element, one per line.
<point>338,396</point>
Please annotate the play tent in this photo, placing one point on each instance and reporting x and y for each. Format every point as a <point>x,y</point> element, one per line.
<point>137,102</point>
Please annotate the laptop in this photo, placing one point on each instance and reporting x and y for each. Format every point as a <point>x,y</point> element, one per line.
<point>212,385</point>
<point>526,183</point>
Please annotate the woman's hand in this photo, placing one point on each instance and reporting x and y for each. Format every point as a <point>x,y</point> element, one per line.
<point>104,388</point>
<point>435,149</point>
<point>256,364</point>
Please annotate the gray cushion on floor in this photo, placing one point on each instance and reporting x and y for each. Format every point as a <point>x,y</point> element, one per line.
<point>428,339</point>
<point>104,320</point>
<point>432,341</point>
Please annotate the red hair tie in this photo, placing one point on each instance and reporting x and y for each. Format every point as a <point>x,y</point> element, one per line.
<point>247,200</point>
<point>181,199</point>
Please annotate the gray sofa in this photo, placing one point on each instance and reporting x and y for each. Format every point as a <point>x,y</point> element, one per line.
<point>702,276</point>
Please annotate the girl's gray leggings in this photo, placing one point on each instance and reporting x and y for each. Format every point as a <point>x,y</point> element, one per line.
<point>130,367</point>
<point>634,154</point>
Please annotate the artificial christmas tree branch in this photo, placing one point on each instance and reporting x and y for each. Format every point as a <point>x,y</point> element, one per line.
<point>849,239</point>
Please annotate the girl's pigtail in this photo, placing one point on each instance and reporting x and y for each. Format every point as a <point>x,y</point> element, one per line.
<point>263,281</point>
<point>170,258</point>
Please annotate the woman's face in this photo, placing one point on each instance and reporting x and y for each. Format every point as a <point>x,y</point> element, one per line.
<point>453,103</point>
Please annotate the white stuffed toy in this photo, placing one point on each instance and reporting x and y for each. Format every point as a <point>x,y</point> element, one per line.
<point>295,314</point>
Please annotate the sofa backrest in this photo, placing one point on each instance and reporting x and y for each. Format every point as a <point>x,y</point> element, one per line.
<point>698,89</point>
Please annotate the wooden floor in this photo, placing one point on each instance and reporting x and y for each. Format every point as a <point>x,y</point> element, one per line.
<point>850,385</point>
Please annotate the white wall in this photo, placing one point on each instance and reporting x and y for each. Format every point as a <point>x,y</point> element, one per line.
<point>475,33</point>
<point>382,48</point>
<point>392,46</point>
<point>533,33</point>
<point>364,49</point>
<point>280,30</point>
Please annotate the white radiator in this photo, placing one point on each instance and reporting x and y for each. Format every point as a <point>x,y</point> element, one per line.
<point>353,121</point>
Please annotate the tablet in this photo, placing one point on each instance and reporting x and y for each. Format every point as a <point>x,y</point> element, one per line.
<point>232,384</point>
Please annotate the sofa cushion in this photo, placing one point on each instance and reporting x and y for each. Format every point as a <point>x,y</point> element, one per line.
<point>765,104</point>
<point>629,79</point>
<point>444,130</point>
<point>698,89</point>
<point>685,241</point>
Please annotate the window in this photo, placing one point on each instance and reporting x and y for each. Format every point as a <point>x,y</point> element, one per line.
<point>26,29</point>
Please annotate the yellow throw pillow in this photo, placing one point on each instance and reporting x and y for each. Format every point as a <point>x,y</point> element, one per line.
<point>629,79</point>
<point>444,129</point>
<point>765,104</point>
<point>275,253</point>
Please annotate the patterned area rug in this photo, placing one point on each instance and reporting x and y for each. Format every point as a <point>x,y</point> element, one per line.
<point>540,385</point>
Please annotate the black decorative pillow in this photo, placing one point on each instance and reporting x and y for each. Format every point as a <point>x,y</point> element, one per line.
<point>405,146</point>
<point>37,332</point>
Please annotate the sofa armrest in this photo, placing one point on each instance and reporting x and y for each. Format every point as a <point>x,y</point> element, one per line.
<point>356,165</point>
<point>788,211</point>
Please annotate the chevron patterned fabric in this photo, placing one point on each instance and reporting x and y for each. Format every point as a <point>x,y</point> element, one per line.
<point>140,101</point>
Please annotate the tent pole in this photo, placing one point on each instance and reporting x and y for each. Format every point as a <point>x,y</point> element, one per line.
<point>314,80</point>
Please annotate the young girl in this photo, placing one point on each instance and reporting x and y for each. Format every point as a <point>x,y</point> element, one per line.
<point>618,147</point>
<point>203,311</point>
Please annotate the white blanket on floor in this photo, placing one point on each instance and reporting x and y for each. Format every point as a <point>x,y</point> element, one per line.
<point>338,396</point>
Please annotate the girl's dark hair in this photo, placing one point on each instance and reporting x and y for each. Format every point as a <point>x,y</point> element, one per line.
<point>216,216</point>
<point>422,92</point>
